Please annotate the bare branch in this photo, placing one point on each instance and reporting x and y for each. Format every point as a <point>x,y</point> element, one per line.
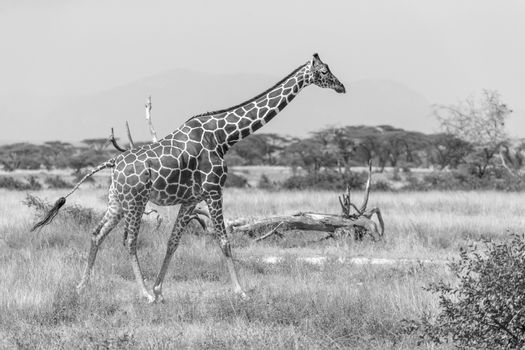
<point>367,188</point>
<point>343,206</point>
<point>131,143</point>
<point>505,165</point>
<point>512,160</point>
<point>148,119</point>
<point>358,211</point>
<point>377,212</point>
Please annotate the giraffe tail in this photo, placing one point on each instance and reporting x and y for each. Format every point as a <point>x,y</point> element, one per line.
<point>52,213</point>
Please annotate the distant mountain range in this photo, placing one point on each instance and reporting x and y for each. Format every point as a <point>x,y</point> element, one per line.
<point>180,94</point>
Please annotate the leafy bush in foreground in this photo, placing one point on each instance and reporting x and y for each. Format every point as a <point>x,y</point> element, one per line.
<point>485,309</point>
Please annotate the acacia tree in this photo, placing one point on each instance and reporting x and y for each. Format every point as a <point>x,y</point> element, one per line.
<point>307,154</point>
<point>274,145</point>
<point>97,144</point>
<point>343,147</point>
<point>21,155</point>
<point>479,121</point>
<point>446,150</point>
<point>366,140</point>
<point>259,149</point>
<point>56,154</point>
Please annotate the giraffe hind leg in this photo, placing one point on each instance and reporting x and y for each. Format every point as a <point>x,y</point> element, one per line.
<point>183,217</point>
<point>108,223</point>
<point>133,218</point>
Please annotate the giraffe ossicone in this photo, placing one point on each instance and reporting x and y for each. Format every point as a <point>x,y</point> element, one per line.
<point>187,167</point>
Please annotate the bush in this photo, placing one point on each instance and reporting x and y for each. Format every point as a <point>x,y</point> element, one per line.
<point>381,185</point>
<point>33,183</point>
<point>234,180</point>
<point>80,215</point>
<point>265,183</point>
<point>11,183</point>
<point>395,175</point>
<point>485,307</point>
<point>464,181</point>
<point>57,182</point>
<point>326,180</point>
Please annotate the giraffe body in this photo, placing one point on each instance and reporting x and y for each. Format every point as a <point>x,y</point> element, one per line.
<point>187,167</point>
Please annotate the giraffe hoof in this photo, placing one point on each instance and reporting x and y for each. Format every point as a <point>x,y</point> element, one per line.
<point>151,299</point>
<point>157,291</point>
<point>241,294</point>
<point>80,288</point>
<point>159,298</point>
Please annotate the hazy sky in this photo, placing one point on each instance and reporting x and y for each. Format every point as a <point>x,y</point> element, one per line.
<point>444,49</point>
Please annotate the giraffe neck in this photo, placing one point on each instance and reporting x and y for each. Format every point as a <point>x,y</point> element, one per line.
<point>242,120</point>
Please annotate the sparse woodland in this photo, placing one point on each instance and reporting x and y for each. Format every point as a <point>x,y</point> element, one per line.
<point>455,159</point>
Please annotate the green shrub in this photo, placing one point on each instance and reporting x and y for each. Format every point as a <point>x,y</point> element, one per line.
<point>485,307</point>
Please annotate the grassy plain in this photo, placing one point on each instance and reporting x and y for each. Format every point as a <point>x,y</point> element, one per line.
<point>292,304</point>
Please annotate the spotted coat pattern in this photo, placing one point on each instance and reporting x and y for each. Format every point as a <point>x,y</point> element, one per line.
<point>187,167</point>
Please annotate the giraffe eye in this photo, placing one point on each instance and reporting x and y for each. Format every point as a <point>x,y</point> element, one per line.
<point>323,71</point>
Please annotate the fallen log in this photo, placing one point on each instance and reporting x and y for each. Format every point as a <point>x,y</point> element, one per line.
<point>354,221</point>
<point>335,225</point>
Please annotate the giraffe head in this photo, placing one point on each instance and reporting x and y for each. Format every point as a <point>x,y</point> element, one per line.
<point>321,75</point>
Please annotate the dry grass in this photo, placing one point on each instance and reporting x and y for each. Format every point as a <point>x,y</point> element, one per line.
<point>292,304</point>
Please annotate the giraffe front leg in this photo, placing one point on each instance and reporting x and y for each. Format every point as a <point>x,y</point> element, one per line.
<point>132,247</point>
<point>183,217</point>
<point>133,226</point>
<point>214,202</point>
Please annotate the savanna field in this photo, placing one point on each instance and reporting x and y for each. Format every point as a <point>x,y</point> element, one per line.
<point>293,303</point>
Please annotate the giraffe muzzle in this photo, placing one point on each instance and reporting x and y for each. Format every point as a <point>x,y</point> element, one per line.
<point>340,89</point>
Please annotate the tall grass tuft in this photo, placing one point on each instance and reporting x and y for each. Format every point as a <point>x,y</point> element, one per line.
<point>77,214</point>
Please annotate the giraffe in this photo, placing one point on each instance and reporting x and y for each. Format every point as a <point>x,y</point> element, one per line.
<point>187,167</point>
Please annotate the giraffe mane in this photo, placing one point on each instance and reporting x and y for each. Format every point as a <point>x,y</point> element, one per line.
<point>251,99</point>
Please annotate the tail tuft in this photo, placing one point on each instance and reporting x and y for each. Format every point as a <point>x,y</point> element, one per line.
<point>51,214</point>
